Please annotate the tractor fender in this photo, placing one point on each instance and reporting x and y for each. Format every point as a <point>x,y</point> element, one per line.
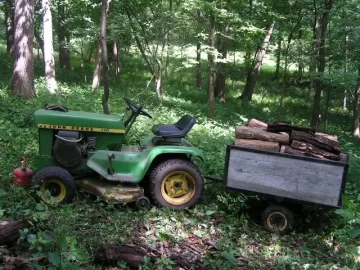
<point>170,151</point>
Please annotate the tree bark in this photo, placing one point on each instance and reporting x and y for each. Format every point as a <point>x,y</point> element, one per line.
<point>63,37</point>
<point>285,127</point>
<point>23,70</point>
<point>104,56</point>
<point>220,89</point>
<point>257,123</point>
<point>313,150</point>
<point>301,63</point>
<point>198,66</point>
<point>278,57</point>
<point>321,29</point>
<point>40,42</point>
<point>212,74</point>
<point>97,70</point>
<point>116,60</point>
<point>260,134</point>
<point>256,144</point>
<point>317,140</point>
<point>356,111</point>
<point>48,46</point>
<point>9,22</point>
<point>9,231</point>
<point>254,72</point>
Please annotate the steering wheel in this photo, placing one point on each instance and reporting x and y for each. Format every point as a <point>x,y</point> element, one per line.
<point>136,108</point>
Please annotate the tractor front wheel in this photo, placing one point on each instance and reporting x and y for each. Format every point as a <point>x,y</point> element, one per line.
<point>56,185</point>
<point>176,184</point>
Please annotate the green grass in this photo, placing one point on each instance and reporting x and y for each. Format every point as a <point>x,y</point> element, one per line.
<point>225,219</point>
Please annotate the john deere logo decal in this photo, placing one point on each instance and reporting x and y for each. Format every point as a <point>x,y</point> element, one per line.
<point>76,128</point>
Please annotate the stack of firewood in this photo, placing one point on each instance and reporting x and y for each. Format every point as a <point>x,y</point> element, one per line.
<point>286,138</point>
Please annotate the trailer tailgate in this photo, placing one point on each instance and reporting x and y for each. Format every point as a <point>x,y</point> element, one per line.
<point>282,175</point>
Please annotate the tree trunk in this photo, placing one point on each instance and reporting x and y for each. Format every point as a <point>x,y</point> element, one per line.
<point>356,112</point>
<point>198,66</point>
<point>97,70</point>
<point>321,36</point>
<point>346,55</point>
<point>254,72</point>
<point>9,22</point>
<point>48,46</point>
<point>40,42</point>
<point>104,56</point>
<point>212,74</point>
<point>63,37</point>
<point>116,60</point>
<point>23,70</point>
<point>220,89</point>
<point>301,64</point>
<point>278,57</point>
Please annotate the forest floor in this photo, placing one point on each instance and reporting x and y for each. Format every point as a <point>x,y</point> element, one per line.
<point>223,230</point>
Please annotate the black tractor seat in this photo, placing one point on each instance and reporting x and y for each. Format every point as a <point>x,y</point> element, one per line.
<point>177,130</point>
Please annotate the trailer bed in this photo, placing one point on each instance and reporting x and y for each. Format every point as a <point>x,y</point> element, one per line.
<point>299,178</point>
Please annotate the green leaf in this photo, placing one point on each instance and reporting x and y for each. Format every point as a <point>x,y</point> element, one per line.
<point>210,212</point>
<point>2,192</point>
<point>40,207</point>
<point>2,211</point>
<point>355,250</point>
<point>35,265</point>
<point>54,258</point>
<point>80,254</point>
<point>62,242</point>
<point>354,233</point>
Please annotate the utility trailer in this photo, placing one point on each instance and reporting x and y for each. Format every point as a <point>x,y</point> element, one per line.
<point>285,178</point>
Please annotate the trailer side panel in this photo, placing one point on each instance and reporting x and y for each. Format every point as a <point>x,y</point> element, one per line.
<point>282,175</point>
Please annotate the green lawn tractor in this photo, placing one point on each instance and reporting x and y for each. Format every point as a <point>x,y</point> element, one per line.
<point>85,150</point>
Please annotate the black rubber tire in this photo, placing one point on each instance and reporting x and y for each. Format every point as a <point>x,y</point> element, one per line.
<point>142,202</point>
<point>159,174</point>
<point>58,174</point>
<point>279,212</point>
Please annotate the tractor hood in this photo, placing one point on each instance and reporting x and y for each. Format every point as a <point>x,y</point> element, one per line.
<point>75,120</point>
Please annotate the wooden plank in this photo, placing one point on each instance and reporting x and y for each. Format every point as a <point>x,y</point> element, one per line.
<point>314,151</point>
<point>317,140</point>
<point>283,176</point>
<point>253,133</point>
<point>256,144</point>
<point>288,150</point>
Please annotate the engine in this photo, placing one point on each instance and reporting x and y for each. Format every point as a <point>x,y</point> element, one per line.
<point>70,148</point>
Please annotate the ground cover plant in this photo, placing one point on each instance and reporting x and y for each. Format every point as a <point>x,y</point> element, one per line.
<point>221,232</point>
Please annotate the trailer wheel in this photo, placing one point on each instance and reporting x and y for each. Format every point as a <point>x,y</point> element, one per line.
<point>56,185</point>
<point>277,219</point>
<point>176,184</point>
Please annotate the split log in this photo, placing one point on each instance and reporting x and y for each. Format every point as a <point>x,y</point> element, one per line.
<point>19,261</point>
<point>260,134</point>
<point>328,136</point>
<point>314,151</point>
<point>256,144</point>
<point>288,150</point>
<point>257,123</point>
<point>9,231</point>
<point>287,127</point>
<point>316,140</point>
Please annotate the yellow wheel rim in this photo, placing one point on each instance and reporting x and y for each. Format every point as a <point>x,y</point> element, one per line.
<point>178,188</point>
<point>52,191</point>
<point>276,222</point>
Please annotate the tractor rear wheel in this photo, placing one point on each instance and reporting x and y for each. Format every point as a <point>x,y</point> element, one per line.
<point>176,184</point>
<point>56,185</point>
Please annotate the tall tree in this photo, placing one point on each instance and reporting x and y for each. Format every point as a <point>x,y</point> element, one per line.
<point>48,46</point>
<point>356,114</point>
<point>63,35</point>
<point>9,23</point>
<point>23,69</point>
<point>104,56</point>
<point>320,33</point>
<point>212,73</point>
<point>254,71</point>
<point>97,69</point>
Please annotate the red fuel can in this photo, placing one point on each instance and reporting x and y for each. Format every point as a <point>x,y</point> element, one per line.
<point>22,176</point>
